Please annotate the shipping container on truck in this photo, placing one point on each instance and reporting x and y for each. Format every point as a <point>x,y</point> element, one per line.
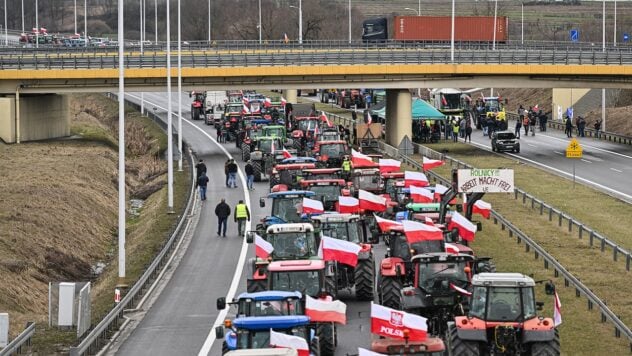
<point>438,28</point>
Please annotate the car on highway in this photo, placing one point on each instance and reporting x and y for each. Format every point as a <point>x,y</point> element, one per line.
<point>505,141</point>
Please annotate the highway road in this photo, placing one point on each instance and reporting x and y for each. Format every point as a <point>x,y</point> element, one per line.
<point>183,315</point>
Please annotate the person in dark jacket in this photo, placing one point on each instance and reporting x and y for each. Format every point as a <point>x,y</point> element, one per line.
<point>232,173</point>
<point>200,168</point>
<point>226,170</point>
<point>569,127</point>
<point>222,211</point>
<point>250,175</point>
<point>202,182</point>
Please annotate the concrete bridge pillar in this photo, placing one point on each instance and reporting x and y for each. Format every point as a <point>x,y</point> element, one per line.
<point>399,121</point>
<point>33,117</point>
<point>291,95</point>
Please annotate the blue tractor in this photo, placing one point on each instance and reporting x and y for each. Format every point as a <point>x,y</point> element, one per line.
<point>258,313</point>
<point>286,208</point>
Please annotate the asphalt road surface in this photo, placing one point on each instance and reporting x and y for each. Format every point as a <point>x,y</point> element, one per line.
<point>182,318</point>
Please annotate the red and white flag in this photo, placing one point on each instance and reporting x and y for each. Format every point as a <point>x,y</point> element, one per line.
<point>482,208</point>
<point>420,195</point>
<point>416,232</point>
<point>245,101</point>
<point>280,340</point>
<point>466,228</point>
<point>443,100</point>
<point>385,224</point>
<point>429,164</point>
<point>263,248</point>
<point>536,108</point>
<point>348,204</point>
<point>460,290</point>
<point>283,101</point>
<point>557,311</point>
<point>311,206</point>
<point>371,202</point>
<point>286,153</point>
<point>328,311</point>
<point>415,178</point>
<point>452,248</point>
<point>389,165</point>
<point>396,324</point>
<point>428,221</point>
<point>245,109</point>
<point>267,102</point>
<point>339,250</point>
<point>361,160</point>
<point>365,352</point>
<point>439,191</point>
<point>325,119</point>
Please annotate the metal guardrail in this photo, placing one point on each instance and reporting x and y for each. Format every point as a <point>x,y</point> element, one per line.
<point>590,132</point>
<point>569,278</point>
<point>99,335</point>
<point>22,340</point>
<point>581,229</point>
<point>272,58</point>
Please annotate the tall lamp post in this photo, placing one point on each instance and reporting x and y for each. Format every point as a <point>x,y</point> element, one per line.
<point>603,46</point>
<point>300,20</point>
<point>142,52</point>
<point>36,24</point>
<point>452,35</point>
<point>155,21</point>
<point>6,32</point>
<point>85,21</point>
<point>350,21</point>
<point>495,19</point>
<point>22,16</point>
<point>180,88</point>
<point>614,37</point>
<point>121,151</point>
<point>259,22</point>
<point>75,17</point>
<point>169,119</point>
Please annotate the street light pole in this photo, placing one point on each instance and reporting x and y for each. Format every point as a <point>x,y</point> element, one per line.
<point>495,17</point>
<point>522,23</point>
<point>85,21</point>
<point>603,46</point>
<point>180,89</point>
<point>209,22</point>
<point>349,21</point>
<point>614,37</point>
<point>156,21</point>
<point>121,148</point>
<point>22,16</point>
<point>259,22</point>
<point>75,16</point>
<point>169,120</point>
<point>6,31</point>
<point>452,36</point>
<point>36,24</point>
<point>300,21</point>
<point>419,8</point>
<point>142,38</point>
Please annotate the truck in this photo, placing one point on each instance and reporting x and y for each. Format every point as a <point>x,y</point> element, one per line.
<point>436,29</point>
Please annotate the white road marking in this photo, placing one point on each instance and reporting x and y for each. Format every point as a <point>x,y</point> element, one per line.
<point>559,153</point>
<point>532,145</point>
<point>210,339</point>
<point>616,170</point>
<point>584,145</point>
<point>585,160</point>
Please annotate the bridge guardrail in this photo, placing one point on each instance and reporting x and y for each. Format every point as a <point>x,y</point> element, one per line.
<point>590,132</point>
<point>99,335</point>
<point>22,340</point>
<point>543,207</point>
<point>569,278</point>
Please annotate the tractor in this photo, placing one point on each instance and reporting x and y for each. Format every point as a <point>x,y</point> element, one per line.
<point>198,109</point>
<point>347,98</point>
<point>288,175</point>
<point>286,208</point>
<point>431,346</point>
<point>368,179</point>
<point>352,228</point>
<point>304,131</point>
<point>327,191</point>
<point>323,173</point>
<point>247,123</point>
<point>502,320</point>
<point>330,154</point>
<point>263,157</point>
<point>330,134</point>
<point>248,137</point>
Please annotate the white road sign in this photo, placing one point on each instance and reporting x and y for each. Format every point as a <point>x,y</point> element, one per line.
<point>486,180</point>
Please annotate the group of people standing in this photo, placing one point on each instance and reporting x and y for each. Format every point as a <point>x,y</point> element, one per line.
<point>580,124</point>
<point>529,119</point>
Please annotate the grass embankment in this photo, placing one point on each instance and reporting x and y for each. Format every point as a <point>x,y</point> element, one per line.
<point>61,213</point>
<point>582,332</point>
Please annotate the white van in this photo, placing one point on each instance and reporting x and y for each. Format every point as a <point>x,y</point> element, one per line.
<point>263,352</point>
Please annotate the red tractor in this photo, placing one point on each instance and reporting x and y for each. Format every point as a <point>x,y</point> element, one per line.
<point>327,191</point>
<point>502,320</point>
<point>198,109</point>
<point>331,153</point>
<point>304,131</point>
<point>288,175</point>
<point>347,98</point>
<point>430,346</point>
<point>322,173</point>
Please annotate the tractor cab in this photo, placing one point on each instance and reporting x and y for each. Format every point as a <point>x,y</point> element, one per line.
<point>286,207</point>
<point>310,277</point>
<point>198,110</point>
<point>265,303</point>
<point>289,175</point>
<point>235,97</point>
<point>327,191</point>
<point>275,131</point>
<point>291,241</point>
<point>322,173</point>
<point>348,227</point>
<point>331,153</point>
<point>305,126</point>
<point>263,157</point>
<point>502,318</point>
<point>329,134</point>
<point>368,179</point>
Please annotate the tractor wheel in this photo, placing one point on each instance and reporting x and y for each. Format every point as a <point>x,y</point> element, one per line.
<point>486,266</point>
<point>192,113</point>
<point>327,337</point>
<point>314,346</point>
<point>391,290</point>
<point>225,349</point>
<point>274,181</point>
<point>549,348</point>
<point>365,279</point>
<point>253,285</point>
<point>458,347</point>
<point>245,152</point>
<point>331,286</point>
<point>296,144</point>
<point>256,167</point>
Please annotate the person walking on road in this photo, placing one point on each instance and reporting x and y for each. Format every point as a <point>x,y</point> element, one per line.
<point>468,130</point>
<point>222,211</point>
<point>200,168</point>
<point>525,124</point>
<point>518,128</point>
<point>232,174</point>
<point>569,127</point>
<point>226,170</point>
<point>581,125</point>
<point>202,183</point>
<point>242,214</point>
<point>250,175</point>
<point>597,127</point>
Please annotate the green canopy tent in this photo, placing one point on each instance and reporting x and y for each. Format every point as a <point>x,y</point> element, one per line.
<point>420,110</point>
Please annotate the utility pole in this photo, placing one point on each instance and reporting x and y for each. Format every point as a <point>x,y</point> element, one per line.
<point>522,23</point>
<point>350,21</point>
<point>36,25</point>
<point>121,149</point>
<point>300,21</point>
<point>156,21</point>
<point>603,46</point>
<point>75,17</point>
<point>495,19</point>
<point>169,120</point>
<point>452,36</point>
<point>22,16</point>
<point>259,22</point>
<point>85,21</point>
<point>180,89</point>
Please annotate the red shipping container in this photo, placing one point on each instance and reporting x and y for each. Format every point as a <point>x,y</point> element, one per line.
<point>439,28</point>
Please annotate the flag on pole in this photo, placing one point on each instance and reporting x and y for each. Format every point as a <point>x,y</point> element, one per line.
<point>557,311</point>
<point>439,191</point>
<point>263,248</point>
<point>420,195</point>
<point>429,164</point>
<point>339,250</point>
<point>415,178</point>
<point>312,206</point>
<point>460,290</point>
<point>466,228</point>
<point>245,110</point>
<point>283,101</point>
<point>286,153</point>
<point>289,342</point>
<point>452,248</point>
<point>359,159</point>
<point>325,119</point>
<point>385,224</point>
<point>396,324</point>
<point>389,165</point>
<point>416,232</point>
<point>285,38</point>
<point>328,311</point>
<point>371,202</point>
<point>348,204</point>
<point>267,102</point>
<point>443,101</point>
<point>483,208</point>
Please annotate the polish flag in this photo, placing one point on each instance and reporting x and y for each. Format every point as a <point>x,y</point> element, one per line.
<point>286,153</point>
<point>428,221</point>
<point>365,352</point>
<point>324,118</point>
<point>348,204</point>
<point>283,101</point>
<point>361,160</point>
<point>397,324</point>
<point>429,164</point>
<point>311,206</point>
<point>452,248</point>
<point>416,232</point>
<point>339,250</point>
<point>420,195</point>
<point>466,228</point>
<point>482,208</point>
<point>443,101</point>
<point>460,290</point>
<point>415,178</point>
<point>245,101</point>
<point>371,202</point>
<point>267,103</point>
<point>245,109</point>
<point>389,165</point>
<point>263,248</point>
<point>439,191</point>
<point>536,108</point>
<point>557,311</point>
<point>328,311</point>
<point>385,224</point>
<point>280,340</point>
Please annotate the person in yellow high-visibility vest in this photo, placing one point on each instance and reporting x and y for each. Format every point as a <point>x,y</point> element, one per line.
<point>242,214</point>
<point>346,167</point>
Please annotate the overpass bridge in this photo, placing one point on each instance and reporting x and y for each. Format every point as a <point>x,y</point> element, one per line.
<point>25,72</point>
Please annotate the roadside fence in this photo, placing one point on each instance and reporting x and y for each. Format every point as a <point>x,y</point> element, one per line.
<point>22,343</point>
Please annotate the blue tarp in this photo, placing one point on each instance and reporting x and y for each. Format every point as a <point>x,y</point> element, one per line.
<point>420,110</point>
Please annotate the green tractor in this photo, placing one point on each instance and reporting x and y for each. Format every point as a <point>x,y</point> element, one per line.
<point>262,157</point>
